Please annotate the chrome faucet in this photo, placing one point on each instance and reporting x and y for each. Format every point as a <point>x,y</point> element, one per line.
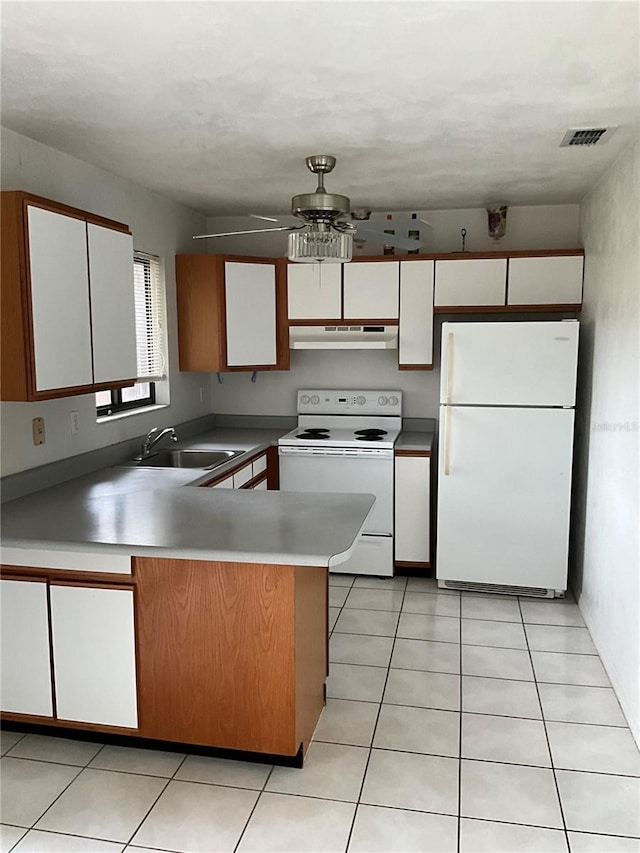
<point>153,437</point>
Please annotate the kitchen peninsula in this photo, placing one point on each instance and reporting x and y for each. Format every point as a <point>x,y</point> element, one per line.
<point>136,605</point>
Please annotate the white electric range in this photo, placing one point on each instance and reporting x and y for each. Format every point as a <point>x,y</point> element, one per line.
<point>344,443</point>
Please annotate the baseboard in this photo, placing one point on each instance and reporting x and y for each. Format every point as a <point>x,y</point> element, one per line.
<point>626,703</point>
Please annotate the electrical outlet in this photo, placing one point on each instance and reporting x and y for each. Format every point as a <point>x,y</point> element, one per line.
<point>37,427</point>
<point>75,423</point>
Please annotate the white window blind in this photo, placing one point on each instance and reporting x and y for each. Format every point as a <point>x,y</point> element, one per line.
<point>150,316</point>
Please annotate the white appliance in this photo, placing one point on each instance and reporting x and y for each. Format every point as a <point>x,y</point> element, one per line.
<point>344,443</point>
<point>507,398</point>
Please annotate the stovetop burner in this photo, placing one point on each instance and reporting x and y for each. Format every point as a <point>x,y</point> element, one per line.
<point>373,432</point>
<point>316,430</point>
<point>310,435</point>
<point>369,438</point>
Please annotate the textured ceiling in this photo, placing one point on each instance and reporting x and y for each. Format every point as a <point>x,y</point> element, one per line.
<point>425,104</point>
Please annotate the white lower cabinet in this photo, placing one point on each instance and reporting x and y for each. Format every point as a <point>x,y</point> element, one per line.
<point>26,661</point>
<point>94,655</point>
<point>412,500</point>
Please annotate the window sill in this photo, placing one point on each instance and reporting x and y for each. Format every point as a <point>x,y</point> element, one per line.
<point>143,410</point>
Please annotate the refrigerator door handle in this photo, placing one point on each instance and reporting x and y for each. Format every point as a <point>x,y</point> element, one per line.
<point>449,368</point>
<point>447,440</point>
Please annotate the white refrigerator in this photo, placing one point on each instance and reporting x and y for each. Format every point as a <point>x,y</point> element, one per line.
<point>507,397</point>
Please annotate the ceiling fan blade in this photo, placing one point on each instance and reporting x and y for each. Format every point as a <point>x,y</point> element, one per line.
<point>257,231</point>
<point>265,218</point>
<point>392,239</point>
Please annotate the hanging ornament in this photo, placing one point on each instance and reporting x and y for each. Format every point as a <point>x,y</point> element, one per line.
<point>497,220</point>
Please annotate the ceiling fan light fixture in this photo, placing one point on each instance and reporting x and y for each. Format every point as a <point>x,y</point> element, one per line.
<point>316,246</point>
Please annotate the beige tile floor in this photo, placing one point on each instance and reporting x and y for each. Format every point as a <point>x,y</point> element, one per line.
<point>455,723</point>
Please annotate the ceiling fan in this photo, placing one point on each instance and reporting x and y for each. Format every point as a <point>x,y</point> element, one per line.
<point>329,226</point>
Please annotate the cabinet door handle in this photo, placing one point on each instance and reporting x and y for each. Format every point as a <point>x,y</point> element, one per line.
<point>449,367</point>
<point>447,441</point>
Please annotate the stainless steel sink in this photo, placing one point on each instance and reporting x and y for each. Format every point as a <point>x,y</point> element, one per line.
<point>205,459</point>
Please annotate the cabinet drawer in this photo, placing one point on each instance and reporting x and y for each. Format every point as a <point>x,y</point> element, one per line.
<point>242,476</point>
<point>470,282</point>
<point>224,484</point>
<point>545,281</point>
<point>259,465</point>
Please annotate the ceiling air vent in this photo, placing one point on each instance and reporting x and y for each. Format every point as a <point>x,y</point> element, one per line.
<point>586,136</point>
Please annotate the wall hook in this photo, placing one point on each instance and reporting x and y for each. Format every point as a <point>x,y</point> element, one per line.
<point>220,377</point>
<point>254,376</point>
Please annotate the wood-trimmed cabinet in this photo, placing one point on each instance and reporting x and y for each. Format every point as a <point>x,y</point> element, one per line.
<point>68,312</point>
<point>253,473</point>
<point>412,508</point>
<point>68,650</point>
<point>511,281</point>
<point>231,313</point>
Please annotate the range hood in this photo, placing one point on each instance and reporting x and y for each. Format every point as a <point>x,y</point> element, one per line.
<point>343,337</point>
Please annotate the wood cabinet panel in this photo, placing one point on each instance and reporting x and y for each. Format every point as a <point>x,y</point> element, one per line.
<point>216,654</point>
<point>25,674</point>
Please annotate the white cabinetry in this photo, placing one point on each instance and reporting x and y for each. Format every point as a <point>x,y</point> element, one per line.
<point>471,282</point>
<point>412,508</point>
<point>113,325</point>
<point>94,655</point>
<point>26,661</point>
<point>415,339</point>
<point>554,280</point>
<point>250,306</point>
<point>59,300</point>
<point>371,290</point>
<point>314,291</point>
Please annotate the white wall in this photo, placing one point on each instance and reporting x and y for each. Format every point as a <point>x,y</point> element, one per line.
<point>160,227</point>
<point>606,507</point>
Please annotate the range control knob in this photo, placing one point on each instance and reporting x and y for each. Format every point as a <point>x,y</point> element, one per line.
<point>361,400</point>
<point>315,400</point>
<point>393,401</point>
<point>383,401</point>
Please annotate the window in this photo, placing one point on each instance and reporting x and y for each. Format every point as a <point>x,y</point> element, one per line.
<point>150,338</point>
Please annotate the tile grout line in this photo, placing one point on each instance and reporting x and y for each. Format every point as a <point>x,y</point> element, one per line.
<point>153,804</point>
<point>546,734</point>
<point>262,791</point>
<point>375,726</point>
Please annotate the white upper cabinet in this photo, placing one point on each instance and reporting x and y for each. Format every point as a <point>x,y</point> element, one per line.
<point>371,290</point>
<point>555,280</point>
<point>415,338</point>
<point>59,300</point>
<point>250,306</point>
<point>112,304</point>
<point>314,291</point>
<point>26,661</point>
<point>471,282</point>
<point>94,655</point>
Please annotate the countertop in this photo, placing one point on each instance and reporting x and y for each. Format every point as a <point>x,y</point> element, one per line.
<point>162,512</point>
<point>191,523</point>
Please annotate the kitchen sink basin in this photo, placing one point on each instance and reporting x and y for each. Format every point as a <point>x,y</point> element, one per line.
<point>205,459</point>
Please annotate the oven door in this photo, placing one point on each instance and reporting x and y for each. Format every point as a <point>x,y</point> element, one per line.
<point>346,470</point>
<point>339,470</point>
